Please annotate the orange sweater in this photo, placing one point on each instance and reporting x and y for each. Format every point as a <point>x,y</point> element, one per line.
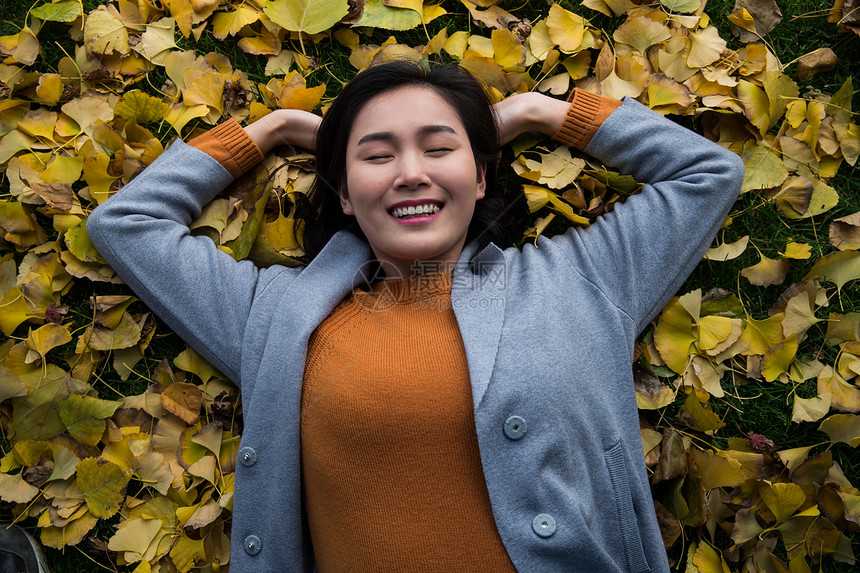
<point>390,462</point>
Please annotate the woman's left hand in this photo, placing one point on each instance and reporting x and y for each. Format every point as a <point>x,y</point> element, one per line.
<point>529,111</point>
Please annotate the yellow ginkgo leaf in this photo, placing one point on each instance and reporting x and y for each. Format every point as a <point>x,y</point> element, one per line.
<point>838,268</point>
<point>157,41</point>
<point>456,44</point>
<point>609,7</point>
<point>577,66</point>
<point>231,23</point>
<point>760,335</point>
<point>47,337</point>
<point>764,170</point>
<point>50,88</point>
<point>567,30</point>
<point>681,6</point>
<point>845,397</point>
<point>280,233</point>
<point>742,18</point>
<point>822,199</point>
<point>767,271</point>
<point>102,484</point>
<point>556,85</point>
<point>843,428</point>
<point>713,330</point>
<point>674,336</point>
<point>800,251</point>
<point>206,89</point>
<point>778,358</point>
<point>140,107</point>
<point>728,251</point>
<point>14,489</point>
<point>704,376</point>
<point>641,33</point>
<point>485,69</point>
<point>756,105</point>
<point>508,52</point>
<point>706,47</point>
<point>22,47</point>
<point>780,90</point>
<point>180,114</point>
<point>539,42</point>
<point>665,95</point>
<point>308,16</point>
<point>296,96</point>
<point>88,110</point>
<point>134,537</point>
<point>84,417</point>
<point>783,499</point>
<point>39,123</point>
<point>799,315</point>
<point>266,44</point>
<point>538,197</point>
<point>810,409</point>
<point>104,32</point>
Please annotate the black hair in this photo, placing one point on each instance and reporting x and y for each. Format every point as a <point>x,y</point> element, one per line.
<point>459,89</point>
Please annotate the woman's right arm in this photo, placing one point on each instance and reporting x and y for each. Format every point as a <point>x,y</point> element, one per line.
<point>142,231</point>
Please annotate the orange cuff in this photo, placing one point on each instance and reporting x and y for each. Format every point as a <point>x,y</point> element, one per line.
<point>229,145</point>
<point>586,114</point>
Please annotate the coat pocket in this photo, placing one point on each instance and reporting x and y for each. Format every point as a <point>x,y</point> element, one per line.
<point>632,543</point>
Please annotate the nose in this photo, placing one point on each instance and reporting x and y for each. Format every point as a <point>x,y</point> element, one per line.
<point>413,171</point>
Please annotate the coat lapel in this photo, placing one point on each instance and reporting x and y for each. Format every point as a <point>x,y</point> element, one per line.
<point>478,298</point>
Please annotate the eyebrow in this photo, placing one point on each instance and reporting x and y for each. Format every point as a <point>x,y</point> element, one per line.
<point>422,131</point>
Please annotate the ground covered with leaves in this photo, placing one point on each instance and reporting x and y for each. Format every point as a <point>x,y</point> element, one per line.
<point>119,444</point>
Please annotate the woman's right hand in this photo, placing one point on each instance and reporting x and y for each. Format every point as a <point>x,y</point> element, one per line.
<point>529,111</point>
<point>285,127</point>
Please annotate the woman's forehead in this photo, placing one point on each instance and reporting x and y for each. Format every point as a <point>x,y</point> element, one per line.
<point>406,109</point>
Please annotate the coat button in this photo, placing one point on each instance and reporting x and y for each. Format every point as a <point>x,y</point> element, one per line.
<point>247,456</point>
<point>252,545</point>
<point>515,427</point>
<point>544,525</point>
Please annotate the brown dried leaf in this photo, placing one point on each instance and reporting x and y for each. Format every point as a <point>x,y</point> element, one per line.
<point>815,62</point>
<point>184,400</point>
<point>845,232</point>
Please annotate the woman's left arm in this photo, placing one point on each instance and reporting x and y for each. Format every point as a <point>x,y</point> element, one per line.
<point>640,253</point>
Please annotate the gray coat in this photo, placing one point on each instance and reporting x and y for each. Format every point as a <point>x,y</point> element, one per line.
<point>548,331</point>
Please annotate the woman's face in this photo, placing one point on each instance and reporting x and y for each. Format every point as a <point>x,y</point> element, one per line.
<point>411,179</point>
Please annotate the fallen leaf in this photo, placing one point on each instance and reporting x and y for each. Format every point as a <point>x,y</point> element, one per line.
<point>815,62</point>
<point>838,268</point>
<point>845,232</point>
<point>310,17</point>
<point>767,271</point>
<point>102,484</point>
<point>728,251</point>
<point>765,14</point>
<point>843,428</point>
<point>183,400</point>
<point>104,32</point>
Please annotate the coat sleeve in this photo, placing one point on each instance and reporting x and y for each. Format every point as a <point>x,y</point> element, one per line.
<point>202,293</point>
<point>640,253</point>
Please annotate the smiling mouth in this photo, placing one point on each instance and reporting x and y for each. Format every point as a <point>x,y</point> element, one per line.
<point>415,211</point>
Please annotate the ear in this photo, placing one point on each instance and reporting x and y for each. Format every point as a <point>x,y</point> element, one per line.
<point>481,187</point>
<point>344,198</point>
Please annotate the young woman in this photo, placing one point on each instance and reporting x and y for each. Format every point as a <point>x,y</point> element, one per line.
<point>483,418</point>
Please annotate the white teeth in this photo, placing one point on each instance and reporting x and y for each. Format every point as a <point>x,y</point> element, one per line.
<point>427,209</point>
